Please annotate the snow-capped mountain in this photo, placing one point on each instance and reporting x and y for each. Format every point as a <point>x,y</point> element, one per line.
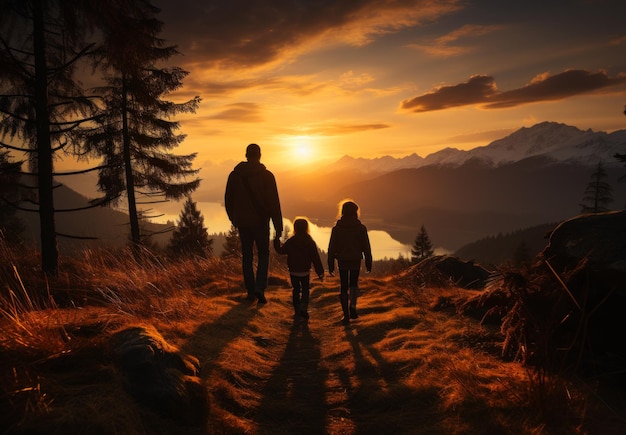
<point>560,142</point>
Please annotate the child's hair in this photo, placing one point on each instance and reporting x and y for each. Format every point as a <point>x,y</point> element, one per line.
<point>348,207</point>
<point>300,226</point>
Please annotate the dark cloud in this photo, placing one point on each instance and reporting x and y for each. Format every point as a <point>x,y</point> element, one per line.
<point>481,90</point>
<point>557,87</point>
<point>248,33</point>
<point>476,89</point>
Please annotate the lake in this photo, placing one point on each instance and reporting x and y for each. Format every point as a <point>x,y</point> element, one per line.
<point>216,221</point>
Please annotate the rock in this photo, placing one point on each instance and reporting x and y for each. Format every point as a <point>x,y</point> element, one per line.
<point>158,375</point>
<point>600,238</point>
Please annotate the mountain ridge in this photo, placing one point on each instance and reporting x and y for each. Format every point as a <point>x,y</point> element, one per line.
<point>561,142</point>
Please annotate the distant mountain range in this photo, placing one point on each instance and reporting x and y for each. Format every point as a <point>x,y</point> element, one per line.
<point>560,142</point>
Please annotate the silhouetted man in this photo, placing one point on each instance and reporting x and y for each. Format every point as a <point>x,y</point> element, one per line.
<point>251,200</point>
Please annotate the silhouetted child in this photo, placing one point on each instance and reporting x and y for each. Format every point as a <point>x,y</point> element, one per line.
<point>301,252</point>
<point>349,243</point>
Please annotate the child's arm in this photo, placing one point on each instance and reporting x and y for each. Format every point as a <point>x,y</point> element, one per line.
<point>277,246</point>
<point>317,261</point>
<point>331,253</point>
<point>367,250</point>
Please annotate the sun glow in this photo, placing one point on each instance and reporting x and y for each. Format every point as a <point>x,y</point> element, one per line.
<point>302,148</point>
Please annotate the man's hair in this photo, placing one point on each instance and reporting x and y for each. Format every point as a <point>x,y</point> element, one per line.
<point>253,151</point>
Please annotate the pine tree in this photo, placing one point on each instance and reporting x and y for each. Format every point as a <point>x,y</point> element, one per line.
<point>422,248</point>
<point>42,43</point>
<point>137,132</point>
<point>190,237</point>
<point>232,244</point>
<point>598,194</point>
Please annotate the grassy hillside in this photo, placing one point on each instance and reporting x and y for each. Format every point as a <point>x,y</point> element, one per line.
<point>405,366</point>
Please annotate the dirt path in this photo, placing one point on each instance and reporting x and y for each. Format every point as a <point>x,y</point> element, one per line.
<point>388,371</point>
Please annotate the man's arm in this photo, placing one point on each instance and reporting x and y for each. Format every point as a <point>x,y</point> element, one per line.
<point>274,205</point>
<point>229,197</point>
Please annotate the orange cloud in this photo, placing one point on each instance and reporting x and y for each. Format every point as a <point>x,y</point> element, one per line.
<point>239,112</point>
<point>335,129</point>
<point>481,90</point>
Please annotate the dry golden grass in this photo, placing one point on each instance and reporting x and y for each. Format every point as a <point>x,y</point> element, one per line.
<point>402,367</point>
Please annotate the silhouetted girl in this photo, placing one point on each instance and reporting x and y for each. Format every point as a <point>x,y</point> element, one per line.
<point>349,243</point>
<point>301,252</point>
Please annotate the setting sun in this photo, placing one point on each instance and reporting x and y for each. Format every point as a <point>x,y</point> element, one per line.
<point>302,148</point>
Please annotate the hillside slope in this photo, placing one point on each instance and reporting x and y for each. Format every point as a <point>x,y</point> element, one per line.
<point>459,205</point>
<point>98,226</point>
<point>402,367</point>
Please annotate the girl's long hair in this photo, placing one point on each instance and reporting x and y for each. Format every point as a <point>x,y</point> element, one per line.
<point>348,207</point>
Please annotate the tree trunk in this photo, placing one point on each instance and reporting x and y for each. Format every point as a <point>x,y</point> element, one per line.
<point>49,253</point>
<point>135,236</point>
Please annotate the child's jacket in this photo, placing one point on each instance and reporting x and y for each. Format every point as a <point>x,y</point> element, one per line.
<point>301,252</point>
<point>349,243</point>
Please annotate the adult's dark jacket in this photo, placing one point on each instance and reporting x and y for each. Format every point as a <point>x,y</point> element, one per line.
<point>349,243</point>
<point>251,197</point>
<point>301,252</point>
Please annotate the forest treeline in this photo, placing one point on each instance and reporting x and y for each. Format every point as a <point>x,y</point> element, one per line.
<point>513,248</point>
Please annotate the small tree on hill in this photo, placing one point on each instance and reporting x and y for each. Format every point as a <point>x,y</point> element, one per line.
<point>423,247</point>
<point>598,194</point>
<point>232,244</point>
<point>190,237</point>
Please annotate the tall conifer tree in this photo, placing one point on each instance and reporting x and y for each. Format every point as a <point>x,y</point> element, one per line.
<point>41,103</point>
<point>137,132</point>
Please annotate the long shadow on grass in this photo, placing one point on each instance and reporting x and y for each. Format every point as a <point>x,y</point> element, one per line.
<point>379,401</point>
<point>293,400</point>
<point>211,338</point>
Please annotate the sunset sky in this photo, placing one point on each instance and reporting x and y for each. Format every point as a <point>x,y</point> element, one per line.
<point>324,78</point>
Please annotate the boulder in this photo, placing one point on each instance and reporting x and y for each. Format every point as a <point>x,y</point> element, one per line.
<point>158,375</point>
<point>599,238</point>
